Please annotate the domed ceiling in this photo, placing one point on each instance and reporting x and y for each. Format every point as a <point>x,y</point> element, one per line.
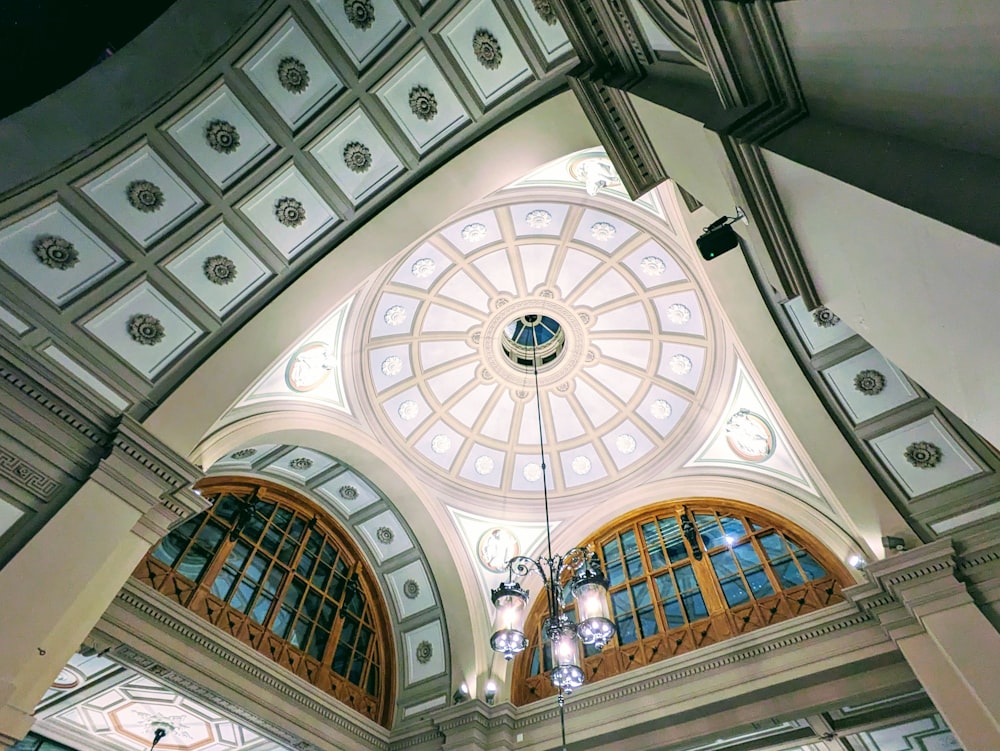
<point>625,333</point>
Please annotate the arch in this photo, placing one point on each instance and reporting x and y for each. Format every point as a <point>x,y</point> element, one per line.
<point>274,570</point>
<point>689,573</point>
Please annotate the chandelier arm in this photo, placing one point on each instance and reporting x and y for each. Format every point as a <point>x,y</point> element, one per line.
<point>522,565</point>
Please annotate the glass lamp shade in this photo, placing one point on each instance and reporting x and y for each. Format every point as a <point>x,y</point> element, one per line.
<point>567,674</point>
<point>590,593</point>
<point>508,631</point>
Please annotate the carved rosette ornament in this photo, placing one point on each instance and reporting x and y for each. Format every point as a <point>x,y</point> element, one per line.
<point>300,463</point>
<point>219,270</point>
<point>144,196</point>
<point>348,492</point>
<point>357,157</point>
<point>293,75</point>
<point>222,136</point>
<point>55,252</point>
<point>289,211</point>
<point>869,382</point>
<point>361,13</point>
<point>923,454</point>
<point>487,49</point>
<point>825,318</point>
<point>243,454</point>
<point>424,652</point>
<point>411,590</point>
<point>145,329</point>
<point>423,104</point>
<point>546,12</point>
<point>385,535</point>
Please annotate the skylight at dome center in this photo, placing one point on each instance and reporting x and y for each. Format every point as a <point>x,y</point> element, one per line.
<point>533,339</point>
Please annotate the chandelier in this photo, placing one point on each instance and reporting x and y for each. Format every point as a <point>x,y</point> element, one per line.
<point>579,570</point>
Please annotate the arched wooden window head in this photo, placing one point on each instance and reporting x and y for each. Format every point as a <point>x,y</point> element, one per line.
<point>688,574</point>
<point>270,568</point>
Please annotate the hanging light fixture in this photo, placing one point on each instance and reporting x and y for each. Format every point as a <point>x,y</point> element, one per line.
<point>580,568</point>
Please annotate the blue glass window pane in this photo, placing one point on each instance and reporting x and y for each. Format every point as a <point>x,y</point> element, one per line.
<point>294,593</point>
<point>364,637</point>
<point>257,567</point>
<point>647,623</point>
<point>282,518</point>
<point>611,552</point>
<point>318,643</point>
<point>242,597</point>
<point>329,554</point>
<point>282,622</point>
<point>226,507</point>
<point>321,577</point>
<point>170,548</point>
<point>305,564</point>
<point>371,683</point>
<point>773,546</point>
<point>724,564</point>
<point>652,539</point>
<point>287,551</point>
<point>274,580</point>
<point>357,668</point>
<point>711,532</point>
<point>620,603</point>
<point>222,583</point>
<point>295,532</point>
<point>271,540</point>
<point>615,574</point>
<point>640,595</point>
<point>746,555</point>
<point>788,573</point>
<point>629,544</point>
<point>735,592</point>
<point>300,633</point>
<point>810,565</point>
<point>685,578</point>
<point>760,585</point>
<point>211,535</point>
<point>260,608</point>
<point>348,631</point>
<point>341,658</point>
<point>673,613</point>
<point>327,615</point>
<point>665,586</point>
<point>694,605</point>
<point>534,662</point>
<point>626,630</point>
<point>733,527</point>
<point>238,555</point>
<point>193,563</point>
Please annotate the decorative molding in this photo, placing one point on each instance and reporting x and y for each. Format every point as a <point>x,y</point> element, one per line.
<point>33,480</point>
<point>608,39</point>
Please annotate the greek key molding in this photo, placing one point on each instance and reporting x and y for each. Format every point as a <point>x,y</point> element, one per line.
<point>28,477</point>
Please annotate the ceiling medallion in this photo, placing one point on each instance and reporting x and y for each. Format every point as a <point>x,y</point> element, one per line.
<point>289,211</point>
<point>625,443</point>
<point>222,136</point>
<point>385,535</point>
<point>532,472</point>
<point>660,409</point>
<point>242,454</point>
<point>309,367</point>
<point>348,492</point>
<point>678,314</point>
<point>408,410</point>
<point>440,444</point>
<point>392,366</point>
<point>538,218</point>
<point>146,329</point>
<point>652,266</point>
<point>681,364</point>
<point>300,463</point>
<point>487,49</point>
<point>602,231</point>
<point>484,465</point>
<point>219,270</point>
<point>581,465</point>
<point>411,590</point>
<point>55,252</point>
<point>869,382</point>
<point>825,318</point>
<point>361,13</point>
<point>423,104</point>
<point>293,75</point>
<point>496,547</point>
<point>546,12</point>
<point>357,157</point>
<point>923,454</point>
<point>422,268</point>
<point>395,315</point>
<point>473,233</point>
<point>424,652</point>
<point>750,436</point>
<point>144,196</point>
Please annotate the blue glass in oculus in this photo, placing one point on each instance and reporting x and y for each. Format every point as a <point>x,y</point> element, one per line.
<point>532,329</point>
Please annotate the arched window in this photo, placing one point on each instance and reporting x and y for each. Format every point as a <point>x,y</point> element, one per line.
<point>686,575</point>
<point>271,569</point>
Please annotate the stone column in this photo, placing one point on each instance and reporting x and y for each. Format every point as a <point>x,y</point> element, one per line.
<point>949,644</point>
<point>58,585</point>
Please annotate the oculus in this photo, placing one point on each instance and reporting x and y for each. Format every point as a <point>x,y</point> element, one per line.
<point>423,104</point>
<point>145,329</point>
<point>144,196</point>
<point>361,13</point>
<point>486,49</point>
<point>309,367</point>
<point>222,136</point>
<point>923,454</point>
<point>55,252</point>
<point>825,318</point>
<point>357,157</point>
<point>293,75</point>
<point>497,546</point>
<point>869,382</point>
<point>750,436</point>
<point>535,335</point>
<point>289,212</point>
<point>219,270</point>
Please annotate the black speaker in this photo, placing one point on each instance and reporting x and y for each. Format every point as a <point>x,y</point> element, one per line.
<point>718,239</point>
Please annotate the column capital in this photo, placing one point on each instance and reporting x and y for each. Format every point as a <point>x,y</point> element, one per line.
<point>151,477</point>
